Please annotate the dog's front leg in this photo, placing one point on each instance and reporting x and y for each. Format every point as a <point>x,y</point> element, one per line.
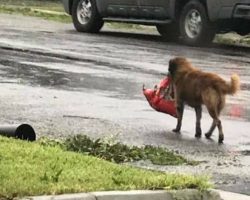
<point>198,112</point>
<point>179,109</point>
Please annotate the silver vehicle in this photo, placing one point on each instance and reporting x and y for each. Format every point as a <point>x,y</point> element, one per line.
<point>194,22</point>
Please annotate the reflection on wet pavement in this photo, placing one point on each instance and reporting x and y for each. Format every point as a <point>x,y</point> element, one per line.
<point>85,78</point>
<point>121,81</point>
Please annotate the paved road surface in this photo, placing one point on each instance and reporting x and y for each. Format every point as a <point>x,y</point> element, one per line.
<point>64,83</point>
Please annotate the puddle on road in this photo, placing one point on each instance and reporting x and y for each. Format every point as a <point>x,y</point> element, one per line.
<point>245,152</point>
<point>55,78</point>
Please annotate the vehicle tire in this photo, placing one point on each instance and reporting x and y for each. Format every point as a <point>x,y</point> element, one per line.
<point>243,29</point>
<point>169,32</point>
<point>243,32</point>
<point>195,27</point>
<point>85,16</point>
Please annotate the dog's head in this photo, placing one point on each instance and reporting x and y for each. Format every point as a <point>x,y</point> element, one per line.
<point>175,64</point>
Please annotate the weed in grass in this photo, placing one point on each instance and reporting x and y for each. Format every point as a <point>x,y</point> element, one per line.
<point>45,141</point>
<point>53,173</point>
<point>118,152</point>
<point>115,152</point>
<point>161,156</point>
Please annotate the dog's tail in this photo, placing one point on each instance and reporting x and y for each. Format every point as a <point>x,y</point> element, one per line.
<point>233,86</point>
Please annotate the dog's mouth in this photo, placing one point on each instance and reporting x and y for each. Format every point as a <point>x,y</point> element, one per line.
<point>169,74</point>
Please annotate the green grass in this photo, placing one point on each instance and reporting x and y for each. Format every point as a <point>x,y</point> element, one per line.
<point>36,12</point>
<point>40,4</point>
<point>36,8</point>
<point>32,169</point>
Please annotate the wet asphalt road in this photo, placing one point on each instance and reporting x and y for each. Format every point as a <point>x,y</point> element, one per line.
<point>64,83</point>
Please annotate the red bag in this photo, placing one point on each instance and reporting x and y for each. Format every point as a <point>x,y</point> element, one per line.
<point>158,101</point>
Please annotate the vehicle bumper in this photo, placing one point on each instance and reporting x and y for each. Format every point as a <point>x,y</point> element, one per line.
<point>66,6</point>
<point>242,12</point>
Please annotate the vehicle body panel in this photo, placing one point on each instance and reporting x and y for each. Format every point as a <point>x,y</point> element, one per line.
<point>155,12</point>
<point>66,5</point>
<point>118,8</point>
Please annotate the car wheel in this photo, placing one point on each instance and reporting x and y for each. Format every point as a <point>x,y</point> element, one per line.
<point>243,28</point>
<point>195,27</point>
<point>86,17</point>
<point>169,32</point>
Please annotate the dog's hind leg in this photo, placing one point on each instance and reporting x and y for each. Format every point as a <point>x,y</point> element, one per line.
<point>221,135</point>
<point>210,99</point>
<point>216,122</point>
<point>180,110</point>
<point>214,112</point>
<point>211,130</point>
<point>220,106</point>
<point>198,111</point>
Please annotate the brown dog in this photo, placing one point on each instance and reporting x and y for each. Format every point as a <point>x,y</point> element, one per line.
<point>194,87</point>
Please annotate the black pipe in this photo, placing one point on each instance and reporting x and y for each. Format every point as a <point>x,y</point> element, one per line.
<point>23,131</point>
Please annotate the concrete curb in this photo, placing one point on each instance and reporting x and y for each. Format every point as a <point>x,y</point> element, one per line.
<point>77,196</point>
<point>232,196</point>
<point>187,194</point>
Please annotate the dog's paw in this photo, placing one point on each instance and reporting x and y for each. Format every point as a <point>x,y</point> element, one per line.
<point>208,135</point>
<point>220,142</point>
<point>198,135</point>
<point>176,130</point>
<point>221,138</point>
<point>198,132</point>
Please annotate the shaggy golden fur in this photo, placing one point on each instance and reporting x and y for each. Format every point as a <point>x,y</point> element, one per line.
<point>194,87</point>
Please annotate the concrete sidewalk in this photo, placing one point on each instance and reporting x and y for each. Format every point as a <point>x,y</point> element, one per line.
<point>187,194</point>
<point>232,196</point>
